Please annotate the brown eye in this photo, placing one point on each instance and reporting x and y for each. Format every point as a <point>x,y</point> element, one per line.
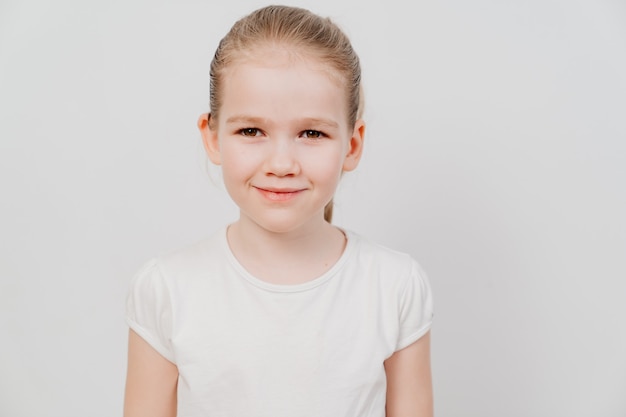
<point>312,134</point>
<point>250,131</point>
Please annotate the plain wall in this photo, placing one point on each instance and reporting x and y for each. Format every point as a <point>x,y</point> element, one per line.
<point>495,155</point>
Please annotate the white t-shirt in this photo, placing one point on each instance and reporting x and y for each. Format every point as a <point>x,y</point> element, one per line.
<point>247,348</point>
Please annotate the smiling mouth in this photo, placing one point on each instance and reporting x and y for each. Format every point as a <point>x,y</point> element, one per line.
<point>279,194</point>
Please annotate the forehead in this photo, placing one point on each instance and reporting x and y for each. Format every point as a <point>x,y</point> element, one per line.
<point>279,84</point>
<point>277,54</point>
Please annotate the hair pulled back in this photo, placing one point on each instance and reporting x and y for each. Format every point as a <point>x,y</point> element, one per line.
<point>300,30</point>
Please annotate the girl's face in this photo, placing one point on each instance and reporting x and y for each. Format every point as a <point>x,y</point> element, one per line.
<point>282,139</point>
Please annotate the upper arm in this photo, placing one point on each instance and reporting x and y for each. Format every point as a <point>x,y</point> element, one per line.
<point>151,381</point>
<point>409,381</point>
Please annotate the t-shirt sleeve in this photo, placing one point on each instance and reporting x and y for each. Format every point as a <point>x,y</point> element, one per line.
<point>416,307</point>
<point>149,309</point>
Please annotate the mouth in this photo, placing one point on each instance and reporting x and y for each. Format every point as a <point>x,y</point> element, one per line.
<point>279,194</point>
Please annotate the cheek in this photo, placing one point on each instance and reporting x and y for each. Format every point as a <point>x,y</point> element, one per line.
<point>236,165</point>
<point>327,166</point>
<point>236,156</point>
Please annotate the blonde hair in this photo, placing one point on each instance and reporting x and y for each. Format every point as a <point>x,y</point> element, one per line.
<point>298,28</point>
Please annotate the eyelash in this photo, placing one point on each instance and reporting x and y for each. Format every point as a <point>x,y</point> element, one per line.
<point>245,131</point>
<point>316,134</point>
<point>308,133</point>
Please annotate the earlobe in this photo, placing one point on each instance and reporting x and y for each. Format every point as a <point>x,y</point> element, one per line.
<point>355,147</point>
<point>209,138</point>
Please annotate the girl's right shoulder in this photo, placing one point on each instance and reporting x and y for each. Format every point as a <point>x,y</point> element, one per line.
<point>155,290</point>
<point>183,261</point>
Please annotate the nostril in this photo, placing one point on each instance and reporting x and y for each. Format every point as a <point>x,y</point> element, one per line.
<point>282,162</point>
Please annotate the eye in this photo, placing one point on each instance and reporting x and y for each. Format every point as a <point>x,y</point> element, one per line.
<point>313,134</point>
<point>250,131</point>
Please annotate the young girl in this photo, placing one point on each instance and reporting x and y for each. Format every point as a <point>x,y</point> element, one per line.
<point>281,313</point>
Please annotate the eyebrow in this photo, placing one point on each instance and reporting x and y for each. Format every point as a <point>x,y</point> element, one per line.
<point>260,120</point>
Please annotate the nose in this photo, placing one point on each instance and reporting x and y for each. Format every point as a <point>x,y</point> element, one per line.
<point>282,159</point>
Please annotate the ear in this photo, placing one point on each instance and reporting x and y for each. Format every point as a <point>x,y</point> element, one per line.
<point>355,147</point>
<point>209,138</point>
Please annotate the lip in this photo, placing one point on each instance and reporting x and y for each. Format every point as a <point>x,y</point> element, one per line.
<point>279,194</point>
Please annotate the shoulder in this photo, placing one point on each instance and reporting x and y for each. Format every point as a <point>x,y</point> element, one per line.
<point>194,257</point>
<point>401,286</point>
<point>169,268</point>
<point>377,257</point>
<point>393,270</point>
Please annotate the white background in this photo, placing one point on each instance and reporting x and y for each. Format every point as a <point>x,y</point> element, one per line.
<point>496,155</point>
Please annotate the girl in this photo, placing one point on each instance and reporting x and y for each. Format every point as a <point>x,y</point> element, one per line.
<point>281,313</point>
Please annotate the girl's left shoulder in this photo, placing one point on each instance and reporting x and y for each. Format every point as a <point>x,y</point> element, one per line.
<point>379,255</point>
<point>388,263</point>
<point>399,283</point>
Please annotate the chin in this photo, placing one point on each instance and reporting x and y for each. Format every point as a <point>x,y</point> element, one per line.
<point>284,223</point>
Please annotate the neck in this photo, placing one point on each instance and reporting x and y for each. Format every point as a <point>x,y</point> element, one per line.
<point>289,257</point>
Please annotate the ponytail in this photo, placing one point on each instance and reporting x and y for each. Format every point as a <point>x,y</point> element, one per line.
<point>328,212</point>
